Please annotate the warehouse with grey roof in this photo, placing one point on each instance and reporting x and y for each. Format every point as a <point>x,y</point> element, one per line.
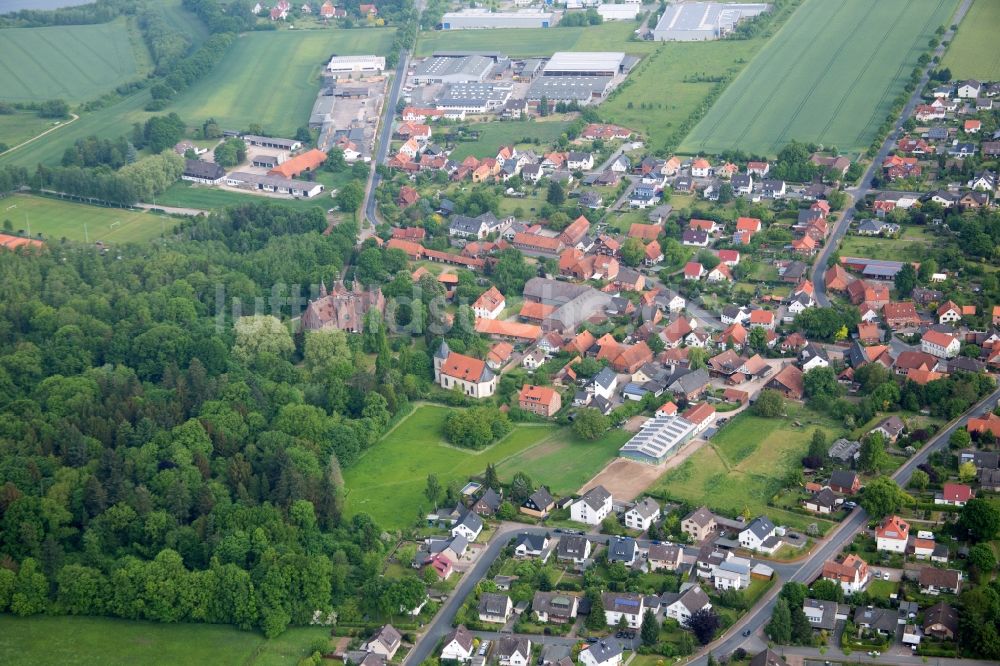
<point>484,19</point>
<point>443,69</point>
<point>701,21</point>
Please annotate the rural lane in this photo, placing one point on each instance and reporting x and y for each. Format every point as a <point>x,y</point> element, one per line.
<point>811,567</point>
<point>865,186</point>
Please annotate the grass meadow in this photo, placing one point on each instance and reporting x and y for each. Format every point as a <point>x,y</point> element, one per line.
<point>913,244</point>
<point>745,464</point>
<point>112,642</point>
<point>523,42</point>
<point>272,78</point>
<point>21,126</point>
<point>828,76</point>
<point>975,51</point>
<point>56,219</point>
<point>670,83</point>
<point>496,133</point>
<point>388,481</point>
<point>74,63</point>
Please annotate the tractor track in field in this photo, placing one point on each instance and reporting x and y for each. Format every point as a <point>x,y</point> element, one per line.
<point>817,80</point>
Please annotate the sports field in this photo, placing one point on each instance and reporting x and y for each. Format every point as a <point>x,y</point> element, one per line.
<point>388,481</point>
<point>975,51</point>
<point>97,640</point>
<point>745,464</point>
<point>271,78</point>
<point>494,134</point>
<point>828,76</point>
<point>521,42</point>
<point>57,219</point>
<point>75,63</point>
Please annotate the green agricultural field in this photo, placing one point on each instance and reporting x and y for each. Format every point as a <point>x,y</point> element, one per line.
<point>21,126</point>
<point>497,133</point>
<point>94,640</point>
<point>913,244</point>
<point>975,51</point>
<point>523,42</point>
<point>388,481</point>
<point>271,78</point>
<point>57,219</point>
<point>828,76</point>
<point>74,63</point>
<point>563,462</point>
<point>745,465</point>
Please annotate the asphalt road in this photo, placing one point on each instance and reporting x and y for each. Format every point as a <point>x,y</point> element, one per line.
<point>865,186</point>
<point>810,568</point>
<point>834,654</point>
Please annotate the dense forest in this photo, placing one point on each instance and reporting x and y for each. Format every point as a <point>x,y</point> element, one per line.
<point>163,459</point>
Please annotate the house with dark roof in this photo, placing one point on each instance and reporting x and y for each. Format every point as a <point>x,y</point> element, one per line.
<point>682,606</point>
<point>605,652</point>
<point>385,642</point>
<point>759,535</point>
<point>940,581</point>
<point>555,607</point>
<point>206,173</point>
<point>488,502</point>
<point>531,545</point>
<point>845,481</point>
<point>618,605</point>
<point>573,547</point>
<point>539,503</point>
<point>513,651</point>
<point>469,526</point>
<point>622,549</point>
<point>458,644</point>
<point>495,608</point>
<point>941,621</point>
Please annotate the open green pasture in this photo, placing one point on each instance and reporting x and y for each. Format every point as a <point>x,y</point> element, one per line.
<point>21,126</point>
<point>56,219</point>
<point>271,78</point>
<point>497,133</point>
<point>670,84</point>
<point>388,481</point>
<point>71,62</point>
<point>745,464</point>
<point>975,51</point>
<point>828,76</point>
<point>96,640</point>
<point>523,42</point>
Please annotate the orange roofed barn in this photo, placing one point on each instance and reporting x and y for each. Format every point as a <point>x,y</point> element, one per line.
<point>293,168</point>
<point>540,400</point>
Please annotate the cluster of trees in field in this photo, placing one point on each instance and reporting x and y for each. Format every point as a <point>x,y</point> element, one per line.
<point>166,45</point>
<point>185,72</point>
<point>111,171</point>
<point>155,464</point>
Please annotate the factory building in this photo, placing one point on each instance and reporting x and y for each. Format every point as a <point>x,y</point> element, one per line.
<point>611,12</point>
<point>701,21</point>
<point>484,19</point>
<point>345,66</point>
<point>473,97</point>
<point>444,69</point>
<point>587,63</point>
<point>580,89</point>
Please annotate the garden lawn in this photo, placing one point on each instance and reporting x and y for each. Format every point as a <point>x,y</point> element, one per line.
<point>107,641</point>
<point>828,76</point>
<point>71,62</point>
<point>746,464</point>
<point>497,133</point>
<point>271,78</point>
<point>881,589</point>
<point>975,51</point>
<point>521,42</point>
<point>56,219</point>
<point>564,462</point>
<point>913,244</point>
<point>388,481</point>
